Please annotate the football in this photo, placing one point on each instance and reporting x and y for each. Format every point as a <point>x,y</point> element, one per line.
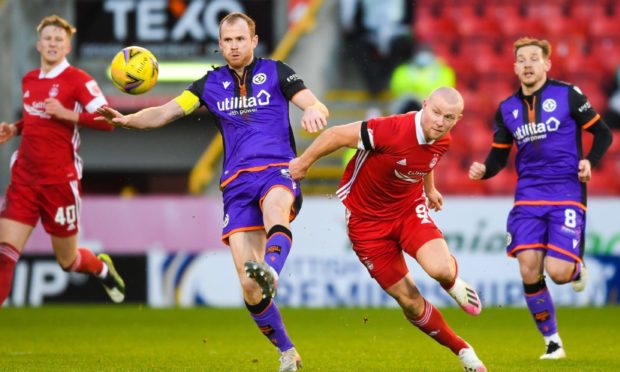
<point>134,70</point>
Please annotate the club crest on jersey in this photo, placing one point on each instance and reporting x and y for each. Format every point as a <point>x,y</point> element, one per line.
<point>27,94</point>
<point>54,90</point>
<point>434,161</point>
<point>260,78</point>
<point>515,113</point>
<point>226,84</point>
<point>549,105</point>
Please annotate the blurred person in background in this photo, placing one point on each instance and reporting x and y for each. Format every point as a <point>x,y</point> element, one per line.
<point>546,226</point>
<point>385,189</point>
<point>46,169</point>
<point>377,37</point>
<point>612,114</point>
<point>416,78</point>
<point>249,98</point>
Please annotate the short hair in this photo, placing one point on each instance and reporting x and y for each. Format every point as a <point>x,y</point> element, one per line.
<point>235,16</point>
<point>57,21</point>
<point>541,43</point>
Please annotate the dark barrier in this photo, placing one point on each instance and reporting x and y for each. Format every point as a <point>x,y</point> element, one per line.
<point>39,280</point>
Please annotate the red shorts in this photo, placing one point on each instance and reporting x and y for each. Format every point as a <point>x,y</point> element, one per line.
<point>57,205</point>
<point>379,245</point>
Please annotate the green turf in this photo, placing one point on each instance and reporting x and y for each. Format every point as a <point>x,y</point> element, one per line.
<point>133,338</point>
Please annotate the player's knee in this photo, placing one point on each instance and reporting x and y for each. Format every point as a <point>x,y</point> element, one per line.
<point>441,273</point>
<point>559,275</point>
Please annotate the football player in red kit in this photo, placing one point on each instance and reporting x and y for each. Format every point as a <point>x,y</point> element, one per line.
<point>46,169</point>
<point>385,189</point>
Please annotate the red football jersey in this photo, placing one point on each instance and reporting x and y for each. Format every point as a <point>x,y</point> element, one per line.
<point>385,177</point>
<point>47,153</point>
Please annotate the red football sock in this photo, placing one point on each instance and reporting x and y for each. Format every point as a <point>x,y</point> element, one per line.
<point>433,324</point>
<point>8,258</point>
<point>86,262</point>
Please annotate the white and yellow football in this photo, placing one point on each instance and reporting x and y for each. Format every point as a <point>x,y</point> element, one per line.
<point>134,70</point>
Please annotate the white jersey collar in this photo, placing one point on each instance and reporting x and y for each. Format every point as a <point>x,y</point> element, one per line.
<point>54,72</point>
<point>419,131</point>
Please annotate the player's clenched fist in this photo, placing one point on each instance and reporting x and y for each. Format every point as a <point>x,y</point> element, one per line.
<point>7,131</point>
<point>477,171</point>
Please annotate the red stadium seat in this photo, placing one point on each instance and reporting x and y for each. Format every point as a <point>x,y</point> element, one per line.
<point>605,27</point>
<point>564,27</point>
<point>546,11</point>
<point>514,28</point>
<point>607,50</point>
<point>494,66</point>
<point>588,11</point>
<point>480,28</point>
<point>503,10</point>
<point>430,29</point>
<point>584,67</point>
<point>602,183</point>
<point>503,183</point>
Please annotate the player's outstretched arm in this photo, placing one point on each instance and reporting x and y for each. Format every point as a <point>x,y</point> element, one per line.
<point>315,113</point>
<point>329,141</point>
<point>148,118</point>
<point>7,131</point>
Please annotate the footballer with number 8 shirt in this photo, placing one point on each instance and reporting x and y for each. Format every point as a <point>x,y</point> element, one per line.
<point>46,169</point>
<point>385,189</point>
<point>545,118</point>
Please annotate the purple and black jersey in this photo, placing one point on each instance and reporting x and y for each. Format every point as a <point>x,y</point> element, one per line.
<point>252,114</point>
<point>546,128</point>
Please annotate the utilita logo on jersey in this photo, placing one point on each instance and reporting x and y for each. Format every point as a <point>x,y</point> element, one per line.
<point>531,132</point>
<point>244,105</point>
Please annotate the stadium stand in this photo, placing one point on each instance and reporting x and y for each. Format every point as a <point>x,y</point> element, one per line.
<point>475,38</point>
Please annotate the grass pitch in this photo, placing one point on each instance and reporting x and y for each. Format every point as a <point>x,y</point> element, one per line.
<point>136,338</point>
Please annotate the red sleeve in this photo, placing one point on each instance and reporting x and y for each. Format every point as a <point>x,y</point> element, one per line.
<point>88,93</point>
<point>384,132</point>
<point>19,125</point>
<point>87,120</point>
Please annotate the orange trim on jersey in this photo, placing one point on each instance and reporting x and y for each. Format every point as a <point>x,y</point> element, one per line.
<point>531,110</point>
<point>549,202</point>
<point>501,145</point>
<point>225,237</point>
<point>591,122</point>
<point>292,215</point>
<point>251,169</point>
<point>563,251</point>
<point>523,247</point>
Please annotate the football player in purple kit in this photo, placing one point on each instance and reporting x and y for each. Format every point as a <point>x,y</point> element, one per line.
<point>249,99</point>
<point>546,226</point>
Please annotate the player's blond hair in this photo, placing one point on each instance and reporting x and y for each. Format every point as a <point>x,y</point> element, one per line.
<point>54,20</point>
<point>527,41</point>
<point>235,16</point>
